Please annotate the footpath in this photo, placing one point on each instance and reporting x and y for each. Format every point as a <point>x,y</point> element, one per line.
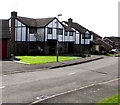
<point>9,67</point>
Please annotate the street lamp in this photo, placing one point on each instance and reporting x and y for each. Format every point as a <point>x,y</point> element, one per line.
<point>57,50</point>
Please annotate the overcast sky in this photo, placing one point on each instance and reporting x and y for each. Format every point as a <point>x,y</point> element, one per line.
<point>100,16</point>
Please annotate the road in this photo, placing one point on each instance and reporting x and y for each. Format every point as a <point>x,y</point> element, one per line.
<point>29,86</point>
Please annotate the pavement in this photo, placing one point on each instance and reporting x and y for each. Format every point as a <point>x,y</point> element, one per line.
<point>9,67</point>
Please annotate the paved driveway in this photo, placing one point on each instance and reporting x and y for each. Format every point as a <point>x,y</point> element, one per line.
<point>13,67</point>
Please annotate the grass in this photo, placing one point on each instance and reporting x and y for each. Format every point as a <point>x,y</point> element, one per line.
<point>114,53</point>
<point>113,100</point>
<point>44,59</point>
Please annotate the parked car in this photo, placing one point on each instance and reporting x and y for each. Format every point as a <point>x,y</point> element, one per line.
<point>116,50</point>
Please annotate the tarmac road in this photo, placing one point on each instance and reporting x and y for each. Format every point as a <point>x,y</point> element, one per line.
<point>90,94</point>
<point>28,86</point>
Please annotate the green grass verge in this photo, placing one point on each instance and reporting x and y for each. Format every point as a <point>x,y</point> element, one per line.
<point>44,59</point>
<point>113,100</point>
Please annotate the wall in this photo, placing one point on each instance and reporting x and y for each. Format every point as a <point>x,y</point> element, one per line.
<point>40,32</point>
<point>20,31</point>
<point>53,25</point>
<point>86,41</point>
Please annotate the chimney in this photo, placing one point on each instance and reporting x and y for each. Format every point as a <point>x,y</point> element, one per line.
<point>13,14</point>
<point>70,22</point>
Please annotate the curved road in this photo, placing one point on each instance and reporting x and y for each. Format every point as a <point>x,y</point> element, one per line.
<point>28,87</point>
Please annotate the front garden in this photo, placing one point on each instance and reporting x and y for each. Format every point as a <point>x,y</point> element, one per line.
<point>44,59</point>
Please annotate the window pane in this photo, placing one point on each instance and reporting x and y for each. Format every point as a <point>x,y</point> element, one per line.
<point>86,36</point>
<point>65,33</point>
<point>60,31</point>
<point>33,30</point>
<point>49,30</point>
<point>71,33</point>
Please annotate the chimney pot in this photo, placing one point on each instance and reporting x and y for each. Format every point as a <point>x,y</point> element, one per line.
<point>13,14</point>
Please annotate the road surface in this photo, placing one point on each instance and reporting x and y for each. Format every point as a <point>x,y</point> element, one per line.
<point>28,87</point>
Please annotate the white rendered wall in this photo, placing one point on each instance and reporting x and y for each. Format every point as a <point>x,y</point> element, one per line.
<point>32,37</point>
<point>40,32</point>
<point>86,41</point>
<point>77,40</point>
<point>20,31</point>
<point>53,25</point>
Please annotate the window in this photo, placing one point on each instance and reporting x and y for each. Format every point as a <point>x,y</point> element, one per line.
<point>60,31</point>
<point>86,36</point>
<point>32,30</point>
<point>66,33</point>
<point>71,33</point>
<point>49,30</point>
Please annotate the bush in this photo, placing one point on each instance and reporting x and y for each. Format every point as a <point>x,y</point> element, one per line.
<point>97,52</point>
<point>111,52</point>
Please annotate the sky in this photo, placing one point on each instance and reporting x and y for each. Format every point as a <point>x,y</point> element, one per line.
<point>100,16</point>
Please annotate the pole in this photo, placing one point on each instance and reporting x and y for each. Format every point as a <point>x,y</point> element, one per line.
<point>57,50</point>
<point>84,45</point>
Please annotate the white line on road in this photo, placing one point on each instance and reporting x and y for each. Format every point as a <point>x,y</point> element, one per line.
<point>109,81</point>
<point>62,94</point>
<point>2,87</point>
<point>49,97</point>
<point>71,73</point>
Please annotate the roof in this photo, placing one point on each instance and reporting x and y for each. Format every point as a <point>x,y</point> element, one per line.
<point>31,22</point>
<point>95,36</point>
<point>78,27</point>
<point>103,43</point>
<point>68,28</point>
<point>4,29</point>
<point>114,39</point>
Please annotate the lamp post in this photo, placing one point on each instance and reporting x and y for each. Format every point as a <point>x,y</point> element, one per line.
<point>57,50</point>
<point>84,44</point>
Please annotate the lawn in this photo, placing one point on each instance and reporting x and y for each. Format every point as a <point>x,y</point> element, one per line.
<point>113,100</point>
<point>44,59</point>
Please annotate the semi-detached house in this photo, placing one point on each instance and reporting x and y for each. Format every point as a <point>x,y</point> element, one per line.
<point>83,37</point>
<point>34,36</point>
<point>31,36</point>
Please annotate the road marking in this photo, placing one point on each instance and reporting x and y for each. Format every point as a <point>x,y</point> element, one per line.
<point>49,97</point>
<point>71,73</point>
<point>109,81</point>
<point>2,87</point>
<point>61,94</point>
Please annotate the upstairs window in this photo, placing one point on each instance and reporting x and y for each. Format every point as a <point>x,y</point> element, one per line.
<point>66,33</point>
<point>71,33</point>
<point>32,30</point>
<point>60,31</point>
<point>86,36</point>
<point>49,30</point>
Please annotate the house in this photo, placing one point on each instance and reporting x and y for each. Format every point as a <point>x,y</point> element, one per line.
<point>114,41</point>
<point>99,44</point>
<point>35,36</point>
<point>4,39</point>
<point>83,37</point>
